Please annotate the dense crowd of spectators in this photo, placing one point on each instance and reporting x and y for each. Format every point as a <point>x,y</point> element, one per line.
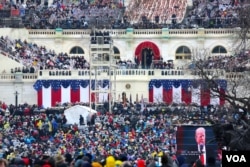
<point>34,57</point>
<point>153,65</point>
<point>114,14</point>
<point>237,63</point>
<point>214,14</point>
<point>67,15</point>
<point>128,134</point>
<point>38,57</point>
<point>156,11</point>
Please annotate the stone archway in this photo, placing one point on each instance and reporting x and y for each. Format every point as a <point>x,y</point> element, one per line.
<point>146,52</point>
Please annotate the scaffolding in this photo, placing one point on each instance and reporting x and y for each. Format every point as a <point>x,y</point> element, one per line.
<point>102,70</point>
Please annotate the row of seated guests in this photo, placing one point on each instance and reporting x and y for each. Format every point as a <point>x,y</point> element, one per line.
<point>70,15</point>
<point>36,57</point>
<point>23,70</point>
<point>216,13</point>
<point>163,65</point>
<point>163,9</point>
<point>229,63</point>
<point>154,65</point>
<point>39,57</point>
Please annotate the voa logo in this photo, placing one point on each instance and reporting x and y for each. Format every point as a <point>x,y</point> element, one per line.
<point>236,158</point>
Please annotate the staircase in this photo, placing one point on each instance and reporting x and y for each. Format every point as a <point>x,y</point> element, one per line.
<point>7,63</point>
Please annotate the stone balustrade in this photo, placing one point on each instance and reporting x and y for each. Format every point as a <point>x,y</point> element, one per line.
<point>85,74</point>
<point>119,73</point>
<point>128,74</point>
<point>18,77</point>
<point>135,33</point>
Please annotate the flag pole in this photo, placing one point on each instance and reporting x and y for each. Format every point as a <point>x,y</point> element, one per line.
<point>137,100</point>
<point>142,103</point>
<point>130,99</point>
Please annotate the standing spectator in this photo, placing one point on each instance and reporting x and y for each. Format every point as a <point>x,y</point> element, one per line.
<point>81,120</point>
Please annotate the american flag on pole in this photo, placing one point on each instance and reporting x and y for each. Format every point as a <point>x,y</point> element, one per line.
<point>51,92</point>
<point>186,91</point>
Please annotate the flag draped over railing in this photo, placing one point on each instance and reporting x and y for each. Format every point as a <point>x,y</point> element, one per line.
<point>51,92</point>
<point>186,91</point>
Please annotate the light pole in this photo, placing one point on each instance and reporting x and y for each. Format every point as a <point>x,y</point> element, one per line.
<point>16,99</point>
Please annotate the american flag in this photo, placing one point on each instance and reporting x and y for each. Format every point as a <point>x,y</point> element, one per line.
<point>51,92</point>
<point>186,91</point>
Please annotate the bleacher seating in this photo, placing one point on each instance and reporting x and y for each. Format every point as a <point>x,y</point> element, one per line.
<point>29,55</point>
<point>143,14</point>
<point>163,11</point>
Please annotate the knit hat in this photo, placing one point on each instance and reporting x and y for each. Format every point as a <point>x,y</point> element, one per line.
<point>78,163</point>
<point>68,158</point>
<point>46,164</point>
<point>96,164</point>
<point>141,163</point>
<point>86,164</point>
<point>123,157</point>
<point>118,163</point>
<point>89,156</point>
<point>110,161</point>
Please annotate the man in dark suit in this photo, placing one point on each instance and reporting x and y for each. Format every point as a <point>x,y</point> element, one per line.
<point>200,138</point>
<point>200,150</point>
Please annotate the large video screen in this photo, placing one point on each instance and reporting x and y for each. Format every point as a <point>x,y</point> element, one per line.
<point>196,143</point>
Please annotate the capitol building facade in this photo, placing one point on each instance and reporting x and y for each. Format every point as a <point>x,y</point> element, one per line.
<point>176,46</point>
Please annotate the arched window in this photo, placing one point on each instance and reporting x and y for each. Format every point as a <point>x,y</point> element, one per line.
<point>116,53</point>
<point>76,50</point>
<point>183,52</point>
<point>219,50</point>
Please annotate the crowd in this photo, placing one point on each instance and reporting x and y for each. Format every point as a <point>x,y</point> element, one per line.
<point>38,57</point>
<point>237,63</point>
<point>34,57</point>
<point>74,15</point>
<point>214,14</point>
<point>129,135</point>
<point>156,11</point>
<point>114,14</point>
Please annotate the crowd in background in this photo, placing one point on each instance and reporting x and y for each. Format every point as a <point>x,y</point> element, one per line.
<point>238,63</point>
<point>34,58</point>
<point>156,11</point>
<point>129,133</point>
<point>71,15</point>
<point>39,57</point>
<point>214,14</point>
<point>114,14</point>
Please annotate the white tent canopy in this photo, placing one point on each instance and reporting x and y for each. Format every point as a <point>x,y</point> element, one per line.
<point>73,113</point>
